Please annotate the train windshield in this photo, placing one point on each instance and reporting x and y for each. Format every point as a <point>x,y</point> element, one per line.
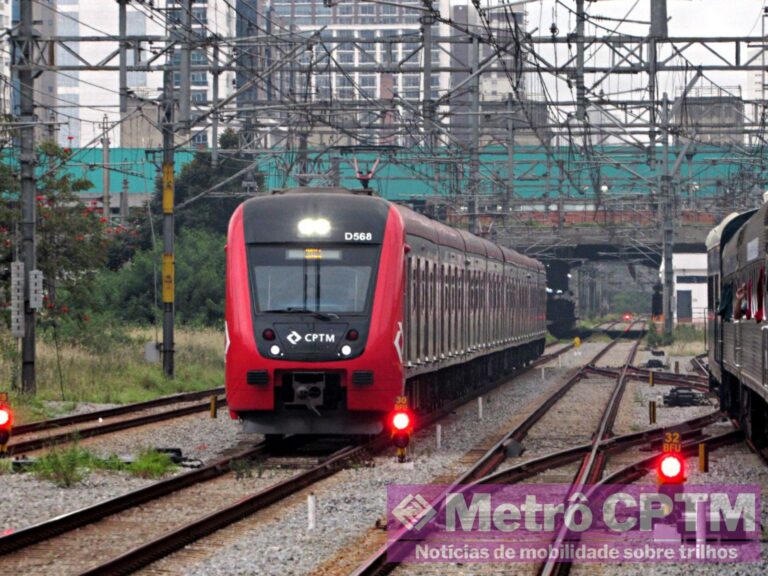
<point>328,278</point>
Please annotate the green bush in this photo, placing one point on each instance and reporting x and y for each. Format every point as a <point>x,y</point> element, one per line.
<point>129,294</point>
<point>68,465</point>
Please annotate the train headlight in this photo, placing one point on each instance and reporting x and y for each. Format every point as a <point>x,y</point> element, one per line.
<point>274,350</point>
<point>346,350</point>
<point>314,227</point>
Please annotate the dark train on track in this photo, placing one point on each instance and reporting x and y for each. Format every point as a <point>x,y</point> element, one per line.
<point>737,329</point>
<point>561,314</point>
<point>338,303</point>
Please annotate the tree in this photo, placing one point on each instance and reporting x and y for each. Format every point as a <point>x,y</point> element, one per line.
<point>209,212</point>
<point>229,140</point>
<point>130,293</point>
<point>71,241</point>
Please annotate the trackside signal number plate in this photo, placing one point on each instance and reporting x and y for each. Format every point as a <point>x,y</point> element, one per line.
<point>672,442</point>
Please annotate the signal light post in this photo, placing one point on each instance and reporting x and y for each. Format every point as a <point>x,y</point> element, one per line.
<point>401,424</point>
<point>670,468</point>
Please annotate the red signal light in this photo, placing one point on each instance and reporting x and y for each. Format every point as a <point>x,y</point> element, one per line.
<point>401,420</point>
<point>5,416</point>
<point>353,335</point>
<point>268,334</point>
<point>671,468</point>
<point>6,420</point>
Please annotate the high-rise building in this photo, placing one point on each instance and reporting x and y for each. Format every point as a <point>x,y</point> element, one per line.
<point>85,98</point>
<point>352,35</point>
<point>209,18</point>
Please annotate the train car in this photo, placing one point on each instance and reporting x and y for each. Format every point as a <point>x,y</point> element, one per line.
<point>736,324</point>
<point>339,302</point>
<point>561,314</point>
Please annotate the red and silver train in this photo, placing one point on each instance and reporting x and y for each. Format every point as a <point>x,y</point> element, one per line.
<point>338,303</point>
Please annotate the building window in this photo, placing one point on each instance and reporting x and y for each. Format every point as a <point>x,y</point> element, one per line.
<point>691,280</point>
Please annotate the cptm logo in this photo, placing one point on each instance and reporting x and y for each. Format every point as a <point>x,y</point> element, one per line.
<point>294,337</point>
<point>414,512</point>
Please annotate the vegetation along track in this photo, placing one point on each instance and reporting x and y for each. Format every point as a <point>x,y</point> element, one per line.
<point>44,433</point>
<point>72,530</point>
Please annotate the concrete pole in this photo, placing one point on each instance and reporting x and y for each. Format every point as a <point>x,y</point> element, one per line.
<point>28,193</point>
<point>106,199</point>
<point>668,220</point>
<point>215,118</point>
<point>185,65</point>
<point>474,137</point>
<point>122,26</point>
<point>659,18</point>
<point>428,110</point>
<point>168,221</point>
<point>510,188</point>
<point>124,203</point>
<point>581,92</point>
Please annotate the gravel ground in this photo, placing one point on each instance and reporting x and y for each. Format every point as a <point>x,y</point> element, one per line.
<point>25,500</point>
<point>188,433</point>
<point>76,551</point>
<point>199,436</point>
<point>633,412</point>
<point>352,501</point>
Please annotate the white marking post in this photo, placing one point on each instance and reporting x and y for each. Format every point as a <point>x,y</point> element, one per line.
<point>311,512</point>
<point>439,437</point>
<point>479,407</point>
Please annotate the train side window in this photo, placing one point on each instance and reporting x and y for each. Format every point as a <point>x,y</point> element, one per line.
<point>760,294</point>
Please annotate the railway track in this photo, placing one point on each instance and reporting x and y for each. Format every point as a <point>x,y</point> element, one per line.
<point>592,455</point>
<point>377,564</point>
<point>72,531</point>
<point>46,433</point>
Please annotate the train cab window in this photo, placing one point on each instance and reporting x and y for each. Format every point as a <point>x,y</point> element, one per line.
<point>328,278</point>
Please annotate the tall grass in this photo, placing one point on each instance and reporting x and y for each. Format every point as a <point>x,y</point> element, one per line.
<point>116,375</point>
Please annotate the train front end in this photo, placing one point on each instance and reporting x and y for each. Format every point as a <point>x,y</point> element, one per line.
<point>314,313</point>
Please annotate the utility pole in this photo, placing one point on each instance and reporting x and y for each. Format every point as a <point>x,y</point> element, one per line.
<point>510,188</point>
<point>581,93</point>
<point>28,192</point>
<point>122,26</point>
<point>185,66</point>
<point>124,203</point>
<point>428,105</point>
<point>215,118</point>
<point>106,199</point>
<point>474,136</point>
<point>668,219</point>
<point>168,219</point>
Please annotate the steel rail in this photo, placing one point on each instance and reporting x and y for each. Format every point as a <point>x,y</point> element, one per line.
<point>534,466</point>
<point>17,446</point>
<point>51,423</point>
<point>664,379</point>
